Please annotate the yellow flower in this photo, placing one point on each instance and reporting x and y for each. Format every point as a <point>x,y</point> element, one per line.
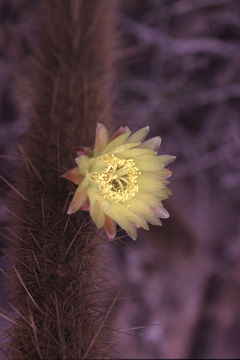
<point>121,181</point>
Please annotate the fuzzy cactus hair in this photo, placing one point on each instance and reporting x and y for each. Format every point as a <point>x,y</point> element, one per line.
<point>56,257</point>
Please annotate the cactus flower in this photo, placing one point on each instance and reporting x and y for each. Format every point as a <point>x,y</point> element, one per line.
<point>122,180</point>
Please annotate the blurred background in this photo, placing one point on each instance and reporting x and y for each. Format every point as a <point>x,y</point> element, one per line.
<point>179,72</point>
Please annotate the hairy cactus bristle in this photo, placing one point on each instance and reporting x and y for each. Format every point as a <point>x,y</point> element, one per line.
<point>57,257</point>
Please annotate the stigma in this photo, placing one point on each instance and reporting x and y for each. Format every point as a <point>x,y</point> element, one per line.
<point>119,180</point>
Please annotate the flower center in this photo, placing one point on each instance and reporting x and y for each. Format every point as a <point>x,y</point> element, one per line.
<point>118,182</point>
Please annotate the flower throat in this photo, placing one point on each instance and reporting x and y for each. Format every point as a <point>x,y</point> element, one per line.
<point>118,182</point>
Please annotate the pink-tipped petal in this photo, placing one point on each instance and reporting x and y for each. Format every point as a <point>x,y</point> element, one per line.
<point>169,173</point>
<point>110,227</point>
<point>120,131</point>
<point>80,197</point>
<point>83,150</point>
<point>101,138</point>
<point>73,175</point>
<point>85,206</point>
<point>161,212</point>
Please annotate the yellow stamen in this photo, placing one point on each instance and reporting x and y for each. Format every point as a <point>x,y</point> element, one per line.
<point>118,182</point>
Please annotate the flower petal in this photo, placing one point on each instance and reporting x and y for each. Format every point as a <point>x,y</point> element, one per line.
<point>149,163</point>
<point>130,228</point>
<point>84,150</point>
<point>166,159</point>
<point>153,143</point>
<point>120,131</point>
<point>161,212</point>
<point>164,173</point>
<point>150,182</point>
<point>140,207</point>
<point>95,209</point>
<point>78,200</point>
<point>117,142</point>
<point>154,220</point>
<point>132,153</point>
<point>97,213</point>
<point>101,138</point>
<point>134,216</point>
<point>124,147</point>
<point>148,198</point>
<point>168,172</point>
<point>73,175</point>
<point>110,227</point>
<point>123,222</point>
<point>139,135</point>
<point>143,209</point>
<point>83,163</point>
<point>85,206</point>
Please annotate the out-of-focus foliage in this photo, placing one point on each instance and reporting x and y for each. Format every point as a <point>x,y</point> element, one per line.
<point>181,76</point>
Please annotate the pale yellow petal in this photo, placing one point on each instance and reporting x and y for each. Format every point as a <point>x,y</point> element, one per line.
<point>139,135</point>
<point>154,220</point>
<point>131,230</point>
<point>153,143</point>
<point>150,183</point>
<point>97,213</point>
<point>118,150</point>
<point>139,206</point>
<point>129,227</point>
<point>134,216</point>
<point>95,209</point>
<point>166,159</point>
<point>165,193</point>
<point>116,142</point>
<point>148,163</point>
<point>147,198</point>
<point>143,208</point>
<point>123,222</point>
<point>83,163</point>
<point>164,173</point>
<point>101,138</point>
<point>132,153</point>
<point>79,198</point>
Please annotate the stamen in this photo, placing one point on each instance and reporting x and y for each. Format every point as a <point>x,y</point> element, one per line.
<point>118,182</point>
<point>124,180</point>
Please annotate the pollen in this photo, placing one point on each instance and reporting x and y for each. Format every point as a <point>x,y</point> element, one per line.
<point>119,180</point>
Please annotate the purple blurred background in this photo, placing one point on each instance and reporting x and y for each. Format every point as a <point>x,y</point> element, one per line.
<point>179,72</point>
